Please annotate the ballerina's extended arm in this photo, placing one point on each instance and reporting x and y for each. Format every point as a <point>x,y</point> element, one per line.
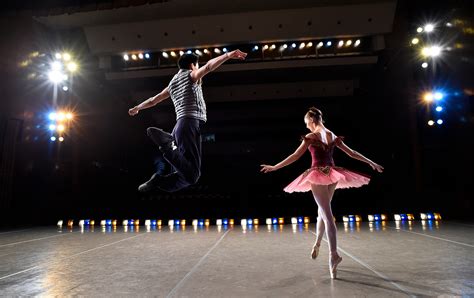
<point>287,161</point>
<point>356,155</point>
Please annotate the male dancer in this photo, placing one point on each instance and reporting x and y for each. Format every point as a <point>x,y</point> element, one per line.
<point>182,148</point>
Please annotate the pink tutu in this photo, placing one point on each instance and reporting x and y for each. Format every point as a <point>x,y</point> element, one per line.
<point>325,176</point>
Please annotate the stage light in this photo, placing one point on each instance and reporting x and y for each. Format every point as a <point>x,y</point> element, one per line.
<point>243,222</point>
<point>198,52</point>
<point>397,217</point>
<point>72,67</point>
<point>225,221</point>
<point>419,29</point>
<point>176,222</point>
<point>183,222</point>
<point>147,223</point>
<point>340,44</point>
<point>293,45</point>
<point>165,55</point>
<point>410,216</point>
<point>428,97</point>
<point>217,51</point>
<point>345,219</point>
<point>431,122</point>
<point>147,56</point>
<point>65,88</point>
<point>415,41</point>
<point>294,221</point>
<point>268,221</point>
<point>424,64</point>
<point>55,76</point>
<point>273,46</point>
<point>61,127</point>
<point>52,127</point>
<point>231,222</point>
<point>56,65</point>
<point>181,53</point>
<point>53,138</point>
<point>306,220</point>
<point>194,223</point>
<point>70,223</point>
<point>429,28</point>
<point>439,108</point>
<point>357,218</point>
<point>437,216</point>
<point>224,50</point>
<point>69,116</point>
<point>206,51</point>
<point>66,56</point>
<point>320,45</point>
<point>125,57</point>
<point>255,48</point>
<point>281,220</point>
<point>218,222</point>
<point>173,54</point>
<point>134,57</point>
<point>207,222</point>
<point>438,95</point>
<point>357,43</point>
<point>60,223</point>
<point>87,222</point>
<point>432,51</point>
<point>81,223</point>
<point>140,56</point>
<point>153,222</point>
<point>348,43</point>
<point>448,24</point>
<point>249,221</point>
<point>58,56</point>
<point>125,222</point>
<point>274,221</point>
<point>201,222</point>
<point>61,139</point>
<point>171,222</point>
<point>440,121</point>
<point>300,220</point>
<point>309,44</point>
<point>131,222</point>
<point>265,47</point>
<point>255,221</point>
<point>302,45</point>
<point>159,222</point>
<point>108,222</point>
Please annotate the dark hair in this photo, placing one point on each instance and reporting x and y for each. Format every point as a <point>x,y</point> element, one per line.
<point>315,114</point>
<point>186,60</point>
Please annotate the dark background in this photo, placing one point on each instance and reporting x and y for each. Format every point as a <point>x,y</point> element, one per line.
<point>95,173</point>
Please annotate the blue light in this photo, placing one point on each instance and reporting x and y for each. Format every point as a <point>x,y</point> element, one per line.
<point>293,45</point>
<point>189,52</point>
<point>131,222</point>
<point>108,222</point>
<point>201,222</point>
<point>403,216</point>
<point>147,56</point>
<point>224,50</point>
<point>300,220</point>
<point>87,222</point>
<point>351,218</point>
<point>153,222</point>
<point>53,138</point>
<point>52,116</point>
<point>438,95</point>
<point>249,221</point>
<point>52,127</point>
<point>329,43</point>
<point>255,48</point>
<point>225,221</point>
<point>274,221</point>
<point>429,216</point>
<point>439,109</point>
<point>440,121</point>
<point>176,222</point>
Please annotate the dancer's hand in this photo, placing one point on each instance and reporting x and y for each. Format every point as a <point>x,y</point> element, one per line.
<point>133,111</point>
<point>377,167</point>
<point>267,168</point>
<point>237,54</point>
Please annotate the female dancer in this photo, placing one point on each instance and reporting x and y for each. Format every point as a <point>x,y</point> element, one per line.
<point>323,178</point>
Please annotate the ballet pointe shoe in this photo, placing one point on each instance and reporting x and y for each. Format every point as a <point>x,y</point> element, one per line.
<point>315,252</point>
<point>333,266</point>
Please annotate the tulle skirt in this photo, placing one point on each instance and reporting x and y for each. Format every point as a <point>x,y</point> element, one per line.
<point>326,176</point>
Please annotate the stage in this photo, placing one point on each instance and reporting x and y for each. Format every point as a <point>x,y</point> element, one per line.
<point>379,259</point>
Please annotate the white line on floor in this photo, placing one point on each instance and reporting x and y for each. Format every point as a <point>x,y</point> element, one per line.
<point>178,285</point>
<point>31,240</point>
<point>15,231</point>
<point>382,276</point>
<point>439,238</point>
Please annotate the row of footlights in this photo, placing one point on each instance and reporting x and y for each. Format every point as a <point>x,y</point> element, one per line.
<point>245,222</point>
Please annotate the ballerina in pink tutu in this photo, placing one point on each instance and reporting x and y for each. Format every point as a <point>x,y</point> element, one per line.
<point>323,178</point>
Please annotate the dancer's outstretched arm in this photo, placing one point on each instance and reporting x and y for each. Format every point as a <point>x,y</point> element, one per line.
<point>287,161</point>
<point>214,63</point>
<point>150,102</point>
<point>356,155</point>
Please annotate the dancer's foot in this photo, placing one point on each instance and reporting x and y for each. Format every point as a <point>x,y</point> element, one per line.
<point>315,252</point>
<point>334,261</point>
<point>150,184</point>
<point>164,140</point>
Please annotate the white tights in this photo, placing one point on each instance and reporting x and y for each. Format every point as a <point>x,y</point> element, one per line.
<point>323,195</point>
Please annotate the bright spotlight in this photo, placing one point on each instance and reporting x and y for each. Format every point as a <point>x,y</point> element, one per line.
<point>66,57</point>
<point>224,50</point>
<point>265,47</point>
<point>273,47</point>
<point>60,116</point>
<point>147,56</point>
<point>428,97</point>
<point>189,52</point>
<point>285,46</point>
<point>140,56</point>
<point>72,67</point>
<point>424,64</point>
<point>217,51</point>
<point>448,24</point>
<point>181,53</point>
<point>293,45</point>
<point>302,45</point>
<point>52,116</point>
<point>432,51</point>
<point>125,57</point>
<point>415,41</point>
<point>309,44</point>
<point>61,127</point>
<point>65,88</point>
<point>173,54</point>
<point>198,52</point>
<point>69,116</point>
<point>357,43</point>
<point>438,96</point>
<point>255,48</point>
<point>206,51</point>
<point>329,43</point>
<point>58,56</point>
<point>348,43</point>
<point>61,139</point>
<point>56,65</point>
<point>340,44</point>
<point>134,57</point>
<point>439,108</point>
<point>419,29</point>
<point>431,122</point>
<point>55,76</point>
<point>52,127</point>
<point>320,45</point>
<point>440,121</point>
<point>429,28</point>
<point>53,138</point>
<point>165,54</point>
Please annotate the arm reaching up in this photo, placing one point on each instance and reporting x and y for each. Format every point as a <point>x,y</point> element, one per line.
<point>150,102</point>
<point>214,63</point>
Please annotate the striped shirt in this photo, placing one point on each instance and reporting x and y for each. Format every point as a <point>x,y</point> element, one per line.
<point>187,96</point>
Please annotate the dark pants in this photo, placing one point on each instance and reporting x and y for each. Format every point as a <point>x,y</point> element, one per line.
<point>186,158</point>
